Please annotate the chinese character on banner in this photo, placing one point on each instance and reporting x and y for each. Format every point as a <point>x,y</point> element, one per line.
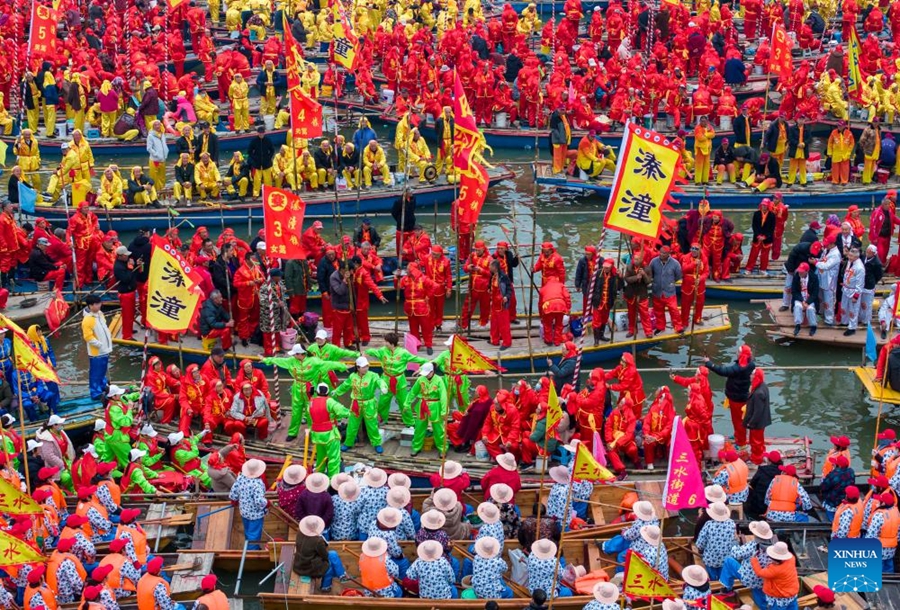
<point>646,175</point>
<point>465,358</point>
<point>468,144</point>
<point>587,468</point>
<point>282,218</point>
<point>854,76</point>
<point>642,581</point>
<point>684,483</point>
<point>173,289</point>
<point>780,61</point>
<point>43,30</point>
<point>306,113</point>
<point>345,41</point>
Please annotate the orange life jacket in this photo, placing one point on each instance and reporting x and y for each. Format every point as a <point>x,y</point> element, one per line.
<point>54,563</point>
<point>785,491</point>
<point>115,580</point>
<point>46,592</point>
<point>114,490</point>
<point>829,466</point>
<point>56,493</point>
<point>737,476</point>
<point>855,524</point>
<point>138,537</point>
<point>373,572</point>
<point>888,535</point>
<point>214,600</point>
<point>145,588</point>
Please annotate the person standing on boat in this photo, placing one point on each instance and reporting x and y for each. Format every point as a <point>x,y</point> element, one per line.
<point>695,271</point>
<point>394,362</point>
<point>874,272</point>
<point>664,272</point>
<point>362,386</point>
<point>428,400</point>
<point>882,226</point>
<point>827,269</point>
<point>803,253</point>
<point>733,476</point>
<point>757,416</point>
<point>438,269</point>
<point>884,525</point>
<point>847,518</point>
<point>737,388</point>
<point>853,285</point>
<point>99,345</point>
<point>259,157</point>
<point>763,224</point>
<point>637,279</point>
<point>703,139</point>
<point>248,494</point>
<point>477,265</point>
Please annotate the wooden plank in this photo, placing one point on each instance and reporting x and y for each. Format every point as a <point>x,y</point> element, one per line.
<point>187,582</point>
<point>849,601</point>
<point>652,491</point>
<point>218,530</point>
<point>595,557</point>
<point>155,512</point>
<point>201,528</point>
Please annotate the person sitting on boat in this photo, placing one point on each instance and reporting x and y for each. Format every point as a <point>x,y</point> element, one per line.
<point>249,411</point>
<point>378,572</point>
<point>90,507</point>
<point>347,507</point>
<point>780,581</point>
<point>502,430</point>
<point>207,178</point>
<point>541,569</point>
<point>786,498</point>
<point>433,574</point>
<point>185,455</point>
<point>840,475</point>
<point>284,168</point>
<point>112,189</point>
<point>506,472</point>
<point>135,477</point>
<point>238,176</point>
<point>374,163</point>
<point>141,189</point>
<point>733,476</point>
<point>399,497</point>
<point>183,188</point>
<point>163,399</point>
<point>122,576</point>
<point>314,499</point>
<point>42,268</point>
<point>488,568</point>
<point>386,527</point>
<point>847,519</point>
<point>618,435</point>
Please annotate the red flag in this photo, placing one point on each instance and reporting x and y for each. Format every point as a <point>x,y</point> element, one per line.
<point>306,113</point>
<point>780,61</point>
<point>42,40</point>
<point>467,143</point>
<point>282,218</point>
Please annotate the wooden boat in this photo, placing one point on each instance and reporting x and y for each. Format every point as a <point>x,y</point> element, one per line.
<point>27,309</point>
<point>818,194</point>
<point>758,287</point>
<point>318,203</point>
<point>828,335</point>
<point>878,392</point>
<point>80,414</point>
<point>524,352</point>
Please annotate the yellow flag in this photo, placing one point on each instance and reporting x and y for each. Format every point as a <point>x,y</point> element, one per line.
<point>554,412</point>
<point>3,147</point>
<point>717,604</point>
<point>587,468</point>
<point>173,4</point>
<point>345,41</point>
<point>27,357</point>
<point>641,580</point>
<point>173,290</point>
<point>7,323</point>
<point>854,77</point>
<point>14,502</point>
<point>15,552</point>
<point>464,357</point>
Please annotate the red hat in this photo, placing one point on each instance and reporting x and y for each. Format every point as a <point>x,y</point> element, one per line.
<point>40,495</point>
<point>437,249</point>
<point>887,435</point>
<point>879,481</point>
<point>851,492</point>
<point>887,498</point>
<point>609,262</point>
<point>590,250</point>
<point>65,544</point>
<point>83,205</point>
<point>815,225</point>
<point>840,441</point>
<point>853,208</point>
<point>36,574</point>
<point>155,565</point>
<point>502,244</point>
<point>728,455</point>
<point>47,472</point>
<point>839,460</point>
<point>101,572</point>
<point>117,545</point>
<point>892,193</point>
<point>479,244</point>
<point>92,593</point>
<point>802,268</point>
<point>547,245</point>
<point>825,595</point>
<point>209,582</point>
<point>86,491</point>
<point>816,248</point>
<point>76,520</point>
<point>129,514</point>
<point>105,467</point>
<point>318,225</point>
<point>774,457</point>
<point>788,470</point>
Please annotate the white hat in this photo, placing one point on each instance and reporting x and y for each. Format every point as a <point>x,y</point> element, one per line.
<point>426,369</point>
<point>430,550</point>
<point>99,424</point>
<point>398,479</point>
<point>560,474</point>
<point>487,547</point>
<point>452,469</point>
<point>261,245</point>
<point>294,474</point>
<point>390,517</point>
<point>375,477</point>
<point>398,497</point>
<point>175,438</point>
<point>544,548</point>
<point>89,448</point>
<point>433,519</point>
<point>644,510</point>
<point>8,419</point>
<point>322,388</point>
<point>501,493</point>
<point>33,444</point>
<point>761,529</point>
<point>507,461</point>
<point>322,334</point>
<point>488,512</point>
<point>114,391</point>
<point>296,350</point>
<point>445,499</point>
<point>694,575</point>
<point>651,534</point>
<point>348,491</point>
<point>718,511</point>
<point>361,362</point>
<point>56,420</point>
<point>715,493</point>
<point>317,482</point>
<point>606,592</point>
<point>136,454</point>
<point>253,468</point>
<point>374,547</point>
<point>149,430</point>
<point>312,525</point>
<point>673,604</point>
<point>339,479</point>
<point>779,551</point>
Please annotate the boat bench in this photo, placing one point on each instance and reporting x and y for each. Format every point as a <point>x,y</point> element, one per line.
<point>215,529</point>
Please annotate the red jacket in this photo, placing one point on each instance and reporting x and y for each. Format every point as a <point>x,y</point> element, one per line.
<point>555,298</point>
<point>620,422</point>
<point>498,474</point>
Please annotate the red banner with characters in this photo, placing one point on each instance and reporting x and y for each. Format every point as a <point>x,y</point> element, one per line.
<point>42,40</point>
<point>780,61</point>
<point>282,218</point>
<point>467,145</point>
<point>306,113</point>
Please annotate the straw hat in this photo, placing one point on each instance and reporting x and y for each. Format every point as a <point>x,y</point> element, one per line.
<point>715,493</point>
<point>695,576</point>
<point>390,517</point>
<point>294,474</point>
<point>487,547</point>
<point>501,493</point>
<point>312,525</point>
<point>644,510</point>
<point>488,513</point>
<point>398,497</point>
<point>317,482</point>
<point>560,474</point>
<point>339,479</point>
<point>779,551</point>
<point>398,479</point>
<point>348,491</point>
<point>374,547</point>
<point>433,520</point>
<point>253,468</point>
<point>544,549</point>
<point>430,550</point>
<point>761,530</point>
<point>507,461</point>
<point>452,470</point>
<point>606,592</point>
<point>375,478</point>
<point>445,499</point>
<point>673,604</point>
<point>718,511</point>
<point>651,534</point>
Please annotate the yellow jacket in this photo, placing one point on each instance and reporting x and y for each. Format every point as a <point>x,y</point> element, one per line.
<point>203,104</point>
<point>85,159</point>
<point>840,145</point>
<point>306,165</point>
<point>703,139</point>
<point>112,186</point>
<point>28,157</point>
<point>418,150</point>
<point>401,134</point>
<point>238,91</point>
<point>588,152</point>
<point>310,81</point>
<point>96,334</point>
<point>206,174</point>
<point>282,162</point>
<point>371,159</point>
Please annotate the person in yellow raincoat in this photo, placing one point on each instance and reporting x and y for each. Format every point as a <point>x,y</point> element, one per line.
<point>419,155</point>
<point>184,188</point>
<point>590,159</point>
<point>374,161</point>
<point>833,100</point>
<point>141,188</point>
<point>870,145</point>
<point>309,81</point>
<point>233,21</point>
<point>85,156</point>
<point>205,108</point>
<point>6,121</point>
<point>49,97</point>
<point>703,138</point>
<point>349,164</point>
<point>840,148</point>
<point>401,138</point>
<point>238,174</point>
<point>32,92</point>
<point>267,82</point>
<point>529,22</point>
<point>308,19</point>
<point>28,158</point>
<point>283,168</point>
<point>306,170</point>
<point>240,105</point>
<point>444,126</point>
<point>112,189</point>
<point>65,174</point>
<point>207,178</point>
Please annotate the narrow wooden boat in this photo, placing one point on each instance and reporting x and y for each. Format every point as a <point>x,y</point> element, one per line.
<point>27,309</point>
<point>526,351</point>
<point>818,194</point>
<point>758,287</point>
<point>828,335</point>
<point>877,391</point>
<point>80,414</point>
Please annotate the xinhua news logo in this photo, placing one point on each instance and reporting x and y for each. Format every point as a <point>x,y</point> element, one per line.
<point>854,564</point>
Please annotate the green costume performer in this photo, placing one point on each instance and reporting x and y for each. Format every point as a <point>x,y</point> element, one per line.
<point>121,420</point>
<point>324,413</point>
<point>152,463</point>
<point>328,352</point>
<point>394,362</point>
<point>306,371</point>
<point>135,476</point>
<point>428,400</point>
<point>458,384</point>
<point>362,386</point>
<point>186,456</point>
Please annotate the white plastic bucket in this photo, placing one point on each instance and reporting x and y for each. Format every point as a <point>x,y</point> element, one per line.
<point>387,96</point>
<point>269,120</point>
<point>622,321</point>
<point>725,122</point>
<point>716,444</point>
<point>288,338</point>
<point>757,70</point>
<point>62,129</point>
<point>481,452</point>
<point>501,119</point>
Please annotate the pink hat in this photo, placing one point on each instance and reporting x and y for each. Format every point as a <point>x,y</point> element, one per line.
<point>390,517</point>
<point>317,482</point>
<point>488,512</point>
<point>433,520</point>
<point>501,493</point>
<point>445,499</point>
<point>312,525</point>
<point>507,461</point>
<point>348,491</point>
<point>430,550</point>
<point>398,497</point>
<point>544,549</point>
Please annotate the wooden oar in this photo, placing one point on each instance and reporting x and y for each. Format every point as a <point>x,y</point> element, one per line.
<point>190,565</point>
<point>179,519</point>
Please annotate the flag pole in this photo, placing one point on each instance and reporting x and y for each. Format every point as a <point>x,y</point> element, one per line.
<point>544,460</point>
<point>766,96</point>
<point>551,594</point>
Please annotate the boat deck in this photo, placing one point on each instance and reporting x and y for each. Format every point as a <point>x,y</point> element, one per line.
<point>37,304</point>
<point>827,335</point>
<point>876,391</point>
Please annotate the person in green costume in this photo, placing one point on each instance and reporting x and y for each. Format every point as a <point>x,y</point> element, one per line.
<point>362,386</point>
<point>12,444</point>
<point>186,456</point>
<point>99,441</point>
<point>120,418</point>
<point>324,413</point>
<point>135,478</point>
<point>394,362</point>
<point>306,370</point>
<point>428,400</point>
<point>458,384</point>
<point>328,352</point>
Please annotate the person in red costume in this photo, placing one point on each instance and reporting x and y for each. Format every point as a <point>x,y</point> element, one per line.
<point>883,357</point>
<point>417,246</point>
<point>365,284</point>
<point>595,29</point>
<point>894,20</point>
<point>236,455</point>
<point>734,256</point>
<point>629,381</point>
<point>464,429</point>
<point>618,434</point>
<point>83,232</point>
<point>554,303</point>
<point>697,420</point>
<point>781,211</point>
<point>191,397</point>
<point>657,426</point>
<point>506,472</point>
<point>215,405</point>
<point>437,268</point>
<point>227,64</point>
<point>550,264</point>
<point>849,15</point>
<point>200,235</point>
<point>478,266</point>
<point>587,407</point>
<point>417,287</point>
<point>502,430</point>
<point>602,299</point>
<point>247,280</point>
<point>857,227</point>
<point>715,239</point>
<point>695,271</point>
<point>249,410</point>
<point>163,400</point>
